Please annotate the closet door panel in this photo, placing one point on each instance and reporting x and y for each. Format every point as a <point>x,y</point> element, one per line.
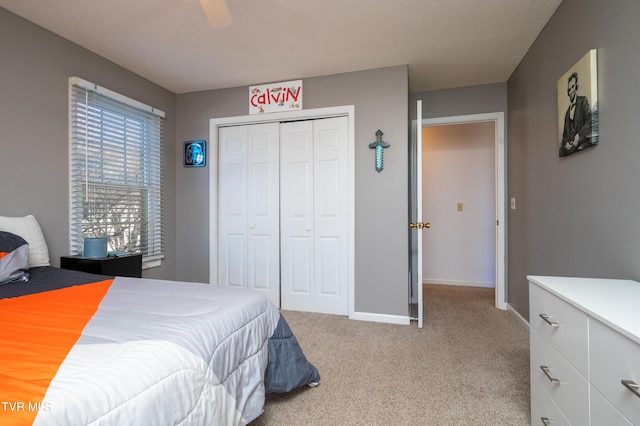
<point>261,191</point>
<point>263,216</point>
<point>260,263</point>
<point>234,255</point>
<point>300,255</point>
<point>296,210</point>
<point>331,215</point>
<point>300,191</point>
<point>249,208</point>
<point>262,245</point>
<point>328,270</point>
<point>232,251</point>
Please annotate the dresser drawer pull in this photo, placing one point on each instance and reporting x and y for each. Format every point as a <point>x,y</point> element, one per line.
<point>546,318</point>
<point>546,370</point>
<point>545,421</point>
<point>632,386</point>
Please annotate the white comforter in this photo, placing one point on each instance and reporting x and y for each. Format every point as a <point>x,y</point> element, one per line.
<point>165,353</point>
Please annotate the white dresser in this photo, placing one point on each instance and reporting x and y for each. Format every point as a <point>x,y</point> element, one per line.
<point>585,351</point>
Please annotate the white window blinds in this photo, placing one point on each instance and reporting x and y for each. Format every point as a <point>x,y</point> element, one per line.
<point>115,157</point>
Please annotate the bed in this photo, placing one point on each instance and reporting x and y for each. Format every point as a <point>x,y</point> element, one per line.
<point>79,348</point>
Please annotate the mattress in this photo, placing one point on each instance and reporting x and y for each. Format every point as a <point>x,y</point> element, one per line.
<point>85,349</point>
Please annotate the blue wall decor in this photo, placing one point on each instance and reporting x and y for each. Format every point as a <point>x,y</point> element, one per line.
<point>379,145</point>
<point>195,153</point>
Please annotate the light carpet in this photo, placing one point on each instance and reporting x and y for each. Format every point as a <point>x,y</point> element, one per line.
<point>469,365</point>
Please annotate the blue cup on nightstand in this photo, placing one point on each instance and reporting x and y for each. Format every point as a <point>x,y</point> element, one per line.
<point>95,247</point>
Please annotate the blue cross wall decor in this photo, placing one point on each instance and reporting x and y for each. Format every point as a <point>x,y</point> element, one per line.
<point>379,145</point>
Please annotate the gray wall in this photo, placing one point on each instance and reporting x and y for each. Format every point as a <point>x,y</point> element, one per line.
<point>35,66</point>
<point>381,258</point>
<point>577,215</point>
<point>461,101</point>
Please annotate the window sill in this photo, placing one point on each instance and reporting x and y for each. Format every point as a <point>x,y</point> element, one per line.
<point>151,263</point>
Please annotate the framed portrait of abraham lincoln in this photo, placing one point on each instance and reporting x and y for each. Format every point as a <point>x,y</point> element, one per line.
<point>578,106</point>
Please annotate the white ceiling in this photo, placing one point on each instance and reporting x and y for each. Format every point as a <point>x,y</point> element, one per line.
<point>446,43</point>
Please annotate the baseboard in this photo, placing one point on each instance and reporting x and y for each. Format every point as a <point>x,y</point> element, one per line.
<point>405,320</point>
<point>389,319</point>
<point>483,284</point>
<point>519,317</point>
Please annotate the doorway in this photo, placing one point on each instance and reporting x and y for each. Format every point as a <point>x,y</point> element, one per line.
<point>499,191</point>
<point>458,198</point>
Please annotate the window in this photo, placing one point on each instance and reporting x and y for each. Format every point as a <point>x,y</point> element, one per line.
<point>115,157</point>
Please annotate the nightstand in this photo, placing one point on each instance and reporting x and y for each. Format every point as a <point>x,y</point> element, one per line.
<point>125,266</point>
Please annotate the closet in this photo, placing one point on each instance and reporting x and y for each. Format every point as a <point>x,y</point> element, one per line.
<point>248,209</point>
<point>283,206</point>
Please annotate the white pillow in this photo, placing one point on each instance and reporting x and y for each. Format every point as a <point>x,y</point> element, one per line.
<point>28,228</point>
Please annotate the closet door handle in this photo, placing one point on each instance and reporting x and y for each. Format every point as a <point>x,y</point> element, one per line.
<point>309,228</point>
<point>546,370</point>
<point>632,386</point>
<point>252,226</point>
<point>545,421</point>
<point>548,320</point>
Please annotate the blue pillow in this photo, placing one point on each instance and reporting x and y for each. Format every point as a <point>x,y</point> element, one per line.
<point>14,258</point>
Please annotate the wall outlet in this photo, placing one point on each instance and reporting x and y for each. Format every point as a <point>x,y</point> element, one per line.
<point>459,207</point>
<point>513,203</point>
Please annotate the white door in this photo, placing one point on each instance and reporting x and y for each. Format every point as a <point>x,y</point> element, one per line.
<point>417,225</point>
<point>232,253</point>
<point>249,209</point>
<point>314,216</point>
<point>296,210</point>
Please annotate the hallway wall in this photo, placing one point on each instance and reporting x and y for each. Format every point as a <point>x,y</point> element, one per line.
<point>458,168</point>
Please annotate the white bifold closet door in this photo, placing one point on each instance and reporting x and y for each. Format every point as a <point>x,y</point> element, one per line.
<point>249,255</point>
<point>314,215</point>
<point>283,212</point>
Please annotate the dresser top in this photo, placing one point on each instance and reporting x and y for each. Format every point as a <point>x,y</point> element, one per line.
<point>613,302</point>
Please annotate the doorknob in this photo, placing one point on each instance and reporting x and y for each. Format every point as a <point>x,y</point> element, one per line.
<point>420,225</point>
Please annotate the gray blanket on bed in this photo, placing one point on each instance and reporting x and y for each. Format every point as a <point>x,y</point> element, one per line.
<point>288,368</point>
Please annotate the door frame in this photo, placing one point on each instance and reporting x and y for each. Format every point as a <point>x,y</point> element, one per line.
<point>500,189</point>
<point>309,114</point>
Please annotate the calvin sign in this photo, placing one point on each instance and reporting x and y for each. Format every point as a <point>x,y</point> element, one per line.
<point>275,97</point>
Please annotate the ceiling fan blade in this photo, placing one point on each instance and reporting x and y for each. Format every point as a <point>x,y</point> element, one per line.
<point>217,13</point>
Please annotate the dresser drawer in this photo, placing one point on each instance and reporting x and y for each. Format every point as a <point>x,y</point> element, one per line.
<point>603,413</point>
<point>615,358</point>
<point>563,326</point>
<point>564,384</point>
<point>543,410</point>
